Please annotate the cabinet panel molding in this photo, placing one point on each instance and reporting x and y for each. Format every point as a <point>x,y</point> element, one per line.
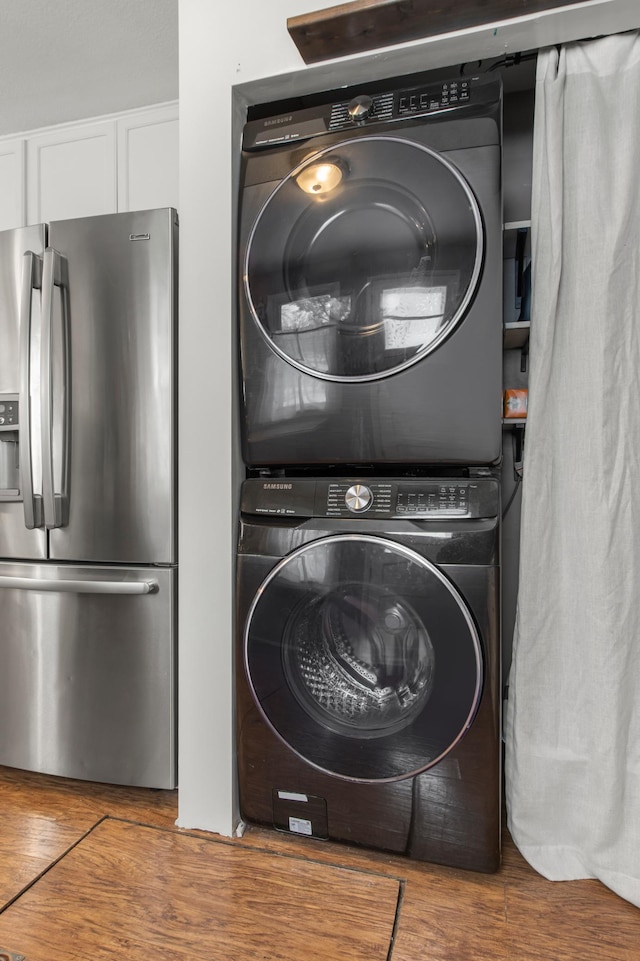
<point>71,172</point>
<point>148,151</point>
<point>12,184</point>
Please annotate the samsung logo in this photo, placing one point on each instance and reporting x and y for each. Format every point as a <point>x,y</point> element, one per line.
<point>276,120</point>
<point>277,487</point>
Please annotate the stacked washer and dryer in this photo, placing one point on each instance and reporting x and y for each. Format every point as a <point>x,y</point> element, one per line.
<point>370,335</point>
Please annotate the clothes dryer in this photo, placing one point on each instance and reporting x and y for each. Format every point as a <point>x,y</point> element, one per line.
<point>370,267</point>
<point>368,667</point>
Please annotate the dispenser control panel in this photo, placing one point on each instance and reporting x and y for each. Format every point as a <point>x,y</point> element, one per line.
<point>8,413</point>
<point>9,460</point>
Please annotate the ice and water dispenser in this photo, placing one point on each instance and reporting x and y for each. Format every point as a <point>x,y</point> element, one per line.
<point>9,447</point>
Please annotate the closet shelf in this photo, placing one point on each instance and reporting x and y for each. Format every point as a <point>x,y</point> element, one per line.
<point>365,25</point>
<point>516,334</point>
<point>510,236</point>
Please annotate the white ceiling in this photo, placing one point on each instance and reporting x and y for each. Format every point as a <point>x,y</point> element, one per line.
<point>63,60</point>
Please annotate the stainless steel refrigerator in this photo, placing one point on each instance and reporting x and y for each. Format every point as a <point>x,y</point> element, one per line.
<point>88,565</point>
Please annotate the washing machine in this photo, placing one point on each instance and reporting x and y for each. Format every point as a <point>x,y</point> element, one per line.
<point>368,665</point>
<point>370,278</point>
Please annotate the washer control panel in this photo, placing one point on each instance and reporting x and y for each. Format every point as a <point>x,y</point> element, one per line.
<point>448,498</point>
<point>412,499</point>
<point>396,499</point>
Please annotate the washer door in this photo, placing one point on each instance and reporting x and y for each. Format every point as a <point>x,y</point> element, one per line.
<point>363,658</point>
<point>364,259</point>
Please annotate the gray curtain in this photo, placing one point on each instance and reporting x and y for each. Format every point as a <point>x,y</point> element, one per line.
<point>573,714</point>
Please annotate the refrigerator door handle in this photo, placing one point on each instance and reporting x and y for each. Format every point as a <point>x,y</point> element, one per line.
<point>54,274</point>
<point>77,586</point>
<point>31,280</point>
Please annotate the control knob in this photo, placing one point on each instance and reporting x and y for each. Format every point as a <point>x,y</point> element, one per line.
<point>360,107</point>
<point>358,498</point>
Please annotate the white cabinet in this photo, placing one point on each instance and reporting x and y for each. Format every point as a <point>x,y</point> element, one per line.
<point>12,188</point>
<point>71,172</point>
<point>127,161</point>
<point>148,159</point>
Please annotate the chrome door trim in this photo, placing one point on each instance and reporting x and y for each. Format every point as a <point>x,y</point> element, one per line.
<point>53,275</point>
<point>77,586</point>
<point>31,280</point>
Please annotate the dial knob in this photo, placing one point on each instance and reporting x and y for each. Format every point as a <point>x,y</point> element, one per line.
<point>358,498</point>
<point>360,107</point>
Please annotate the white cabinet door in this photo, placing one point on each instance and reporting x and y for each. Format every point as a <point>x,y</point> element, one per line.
<point>12,186</point>
<point>71,172</point>
<point>148,159</point>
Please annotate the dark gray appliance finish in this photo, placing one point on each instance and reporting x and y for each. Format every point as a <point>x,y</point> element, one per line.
<point>370,279</point>
<point>368,664</point>
<point>88,563</point>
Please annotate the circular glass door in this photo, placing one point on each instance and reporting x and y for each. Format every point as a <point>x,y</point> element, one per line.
<point>364,259</point>
<point>363,658</point>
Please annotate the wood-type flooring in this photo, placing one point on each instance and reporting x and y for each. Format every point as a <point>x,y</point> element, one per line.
<point>91,872</point>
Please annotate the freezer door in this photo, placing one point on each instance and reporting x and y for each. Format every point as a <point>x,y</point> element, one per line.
<point>87,686</point>
<point>20,263</point>
<point>111,416</point>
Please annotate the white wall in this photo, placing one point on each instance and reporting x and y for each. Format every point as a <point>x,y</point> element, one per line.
<point>218,51</point>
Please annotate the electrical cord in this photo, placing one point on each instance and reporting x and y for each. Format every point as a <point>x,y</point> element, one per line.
<point>517,472</point>
<point>512,498</point>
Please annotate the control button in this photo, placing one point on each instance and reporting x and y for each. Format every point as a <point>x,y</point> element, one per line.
<point>360,107</point>
<point>2,408</point>
<point>358,498</point>
<point>1,420</point>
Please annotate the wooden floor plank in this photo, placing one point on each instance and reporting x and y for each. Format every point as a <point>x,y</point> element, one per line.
<point>515,914</point>
<point>570,921</point>
<point>447,918</point>
<point>445,914</point>
<point>137,892</point>
<point>81,802</point>
<point>42,817</point>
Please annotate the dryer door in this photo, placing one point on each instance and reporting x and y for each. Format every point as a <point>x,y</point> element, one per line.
<point>364,259</point>
<point>363,658</point>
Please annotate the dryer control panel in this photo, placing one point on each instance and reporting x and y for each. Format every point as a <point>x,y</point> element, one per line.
<point>387,106</point>
<point>361,108</point>
<point>414,499</point>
